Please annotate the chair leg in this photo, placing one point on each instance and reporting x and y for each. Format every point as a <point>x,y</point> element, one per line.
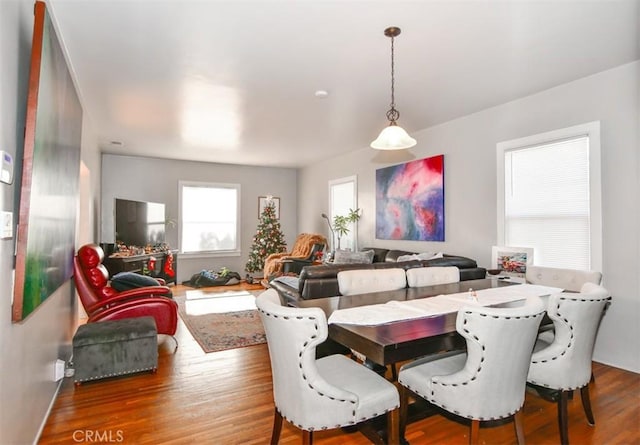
<point>378,369</point>
<point>518,424</point>
<point>474,432</point>
<point>563,417</point>
<point>394,372</point>
<point>307,437</point>
<point>404,409</point>
<point>586,404</point>
<point>393,427</point>
<point>175,340</point>
<point>277,427</point>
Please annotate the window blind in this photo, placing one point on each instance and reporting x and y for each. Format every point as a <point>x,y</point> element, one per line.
<point>547,202</point>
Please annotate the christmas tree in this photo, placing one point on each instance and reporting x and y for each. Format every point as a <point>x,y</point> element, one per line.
<point>267,240</point>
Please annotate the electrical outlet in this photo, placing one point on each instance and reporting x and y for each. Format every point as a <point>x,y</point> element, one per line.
<point>6,225</point>
<point>58,370</point>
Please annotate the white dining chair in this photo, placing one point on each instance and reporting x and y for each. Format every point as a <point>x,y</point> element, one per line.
<point>362,281</point>
<point>319,394</point>
<point>564,364</point>
<point>488,381</point>
<point>429,276</point>
<point>570,280</point>
<point>567,279</point>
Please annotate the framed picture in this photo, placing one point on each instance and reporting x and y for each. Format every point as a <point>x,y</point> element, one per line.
<point>511,261</point>
<point>410,200</point>
<point>50,189</point>
<point>263,201</point>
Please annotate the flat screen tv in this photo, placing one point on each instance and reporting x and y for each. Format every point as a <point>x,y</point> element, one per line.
<point>139,223</point>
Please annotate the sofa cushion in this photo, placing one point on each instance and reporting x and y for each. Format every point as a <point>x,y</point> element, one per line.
<point>348,257</point>
<point>460,262</point>
<point>331,270</point>
<point>290,281</point>
<point>326,271</point>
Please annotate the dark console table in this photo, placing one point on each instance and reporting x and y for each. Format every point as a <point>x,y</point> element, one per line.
<point>140,264</point>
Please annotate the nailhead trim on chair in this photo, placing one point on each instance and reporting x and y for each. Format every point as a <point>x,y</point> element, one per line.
<point>305,377</point>
<point>570,344</point>
<point>430,398</point>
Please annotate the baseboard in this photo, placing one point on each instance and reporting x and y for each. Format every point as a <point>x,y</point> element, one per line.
<point>48,412</point>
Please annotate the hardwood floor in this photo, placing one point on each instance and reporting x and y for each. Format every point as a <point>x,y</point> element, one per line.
<point>226,398</point>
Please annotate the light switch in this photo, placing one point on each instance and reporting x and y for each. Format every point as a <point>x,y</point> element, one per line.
<point>6,167</point>
<point>7,225</point>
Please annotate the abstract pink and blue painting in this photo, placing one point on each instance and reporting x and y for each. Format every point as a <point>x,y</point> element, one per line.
<point>410,200</point>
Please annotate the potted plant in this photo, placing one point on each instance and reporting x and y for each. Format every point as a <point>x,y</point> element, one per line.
<point>340,226</point>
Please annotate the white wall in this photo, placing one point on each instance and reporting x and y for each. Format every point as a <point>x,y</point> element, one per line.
<point>469,148</point>
<point>156,180</point>
<point>28,349</point>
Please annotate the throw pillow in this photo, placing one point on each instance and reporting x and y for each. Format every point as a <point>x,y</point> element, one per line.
<point>420,256</point>
<point>129,280</point>
<point>347,257</point>
<point>402,258</point>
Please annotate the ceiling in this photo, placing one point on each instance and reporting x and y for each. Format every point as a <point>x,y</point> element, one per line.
<point>234,81</point>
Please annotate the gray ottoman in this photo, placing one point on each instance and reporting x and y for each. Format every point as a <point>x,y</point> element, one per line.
<point>112,348</point>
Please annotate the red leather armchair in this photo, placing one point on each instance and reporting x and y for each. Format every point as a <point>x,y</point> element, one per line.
<point>102,302</point>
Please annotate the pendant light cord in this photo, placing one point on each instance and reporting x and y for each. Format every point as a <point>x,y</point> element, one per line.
<point>393,115</point>
<point>393,101</point>
<point>393,136</point>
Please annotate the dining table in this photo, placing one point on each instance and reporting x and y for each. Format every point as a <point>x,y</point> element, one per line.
<point>396,341</point>
<point>387,342</point>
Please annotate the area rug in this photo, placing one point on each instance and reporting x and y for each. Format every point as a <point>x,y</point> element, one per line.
<point>220,330</point>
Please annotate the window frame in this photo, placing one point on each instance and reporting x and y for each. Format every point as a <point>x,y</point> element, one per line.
<point>210,253</point>
<point>353,232</point>
<point>592,131</point>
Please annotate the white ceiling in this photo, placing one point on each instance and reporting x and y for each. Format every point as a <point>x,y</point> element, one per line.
<point>234,81</point>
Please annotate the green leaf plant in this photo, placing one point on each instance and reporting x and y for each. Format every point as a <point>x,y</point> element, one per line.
<point>341,223</point>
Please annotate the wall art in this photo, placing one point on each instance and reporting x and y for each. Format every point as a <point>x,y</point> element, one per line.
<point>511,261</point>
<point>410,200</point>
<point>263,201</point>
<point>50,173</point>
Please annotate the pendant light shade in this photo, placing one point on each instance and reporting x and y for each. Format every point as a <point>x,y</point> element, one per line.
<point>393,137</point>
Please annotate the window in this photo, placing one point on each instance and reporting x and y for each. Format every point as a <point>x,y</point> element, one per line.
<point>343,196</point>
<point>549,197</point>
<point>155,222</point>
<point>210,217</point>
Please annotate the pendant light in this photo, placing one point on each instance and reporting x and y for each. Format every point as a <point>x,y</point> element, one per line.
<point>393,137</point>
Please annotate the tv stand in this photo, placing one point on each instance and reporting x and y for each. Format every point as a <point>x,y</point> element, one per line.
<point>140,264</point>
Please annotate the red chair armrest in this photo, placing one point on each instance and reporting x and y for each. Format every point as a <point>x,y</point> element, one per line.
<point>131,294</point>
<point>163,310</point>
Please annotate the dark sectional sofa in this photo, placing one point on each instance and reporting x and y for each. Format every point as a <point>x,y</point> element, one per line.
<point>322,280</point>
